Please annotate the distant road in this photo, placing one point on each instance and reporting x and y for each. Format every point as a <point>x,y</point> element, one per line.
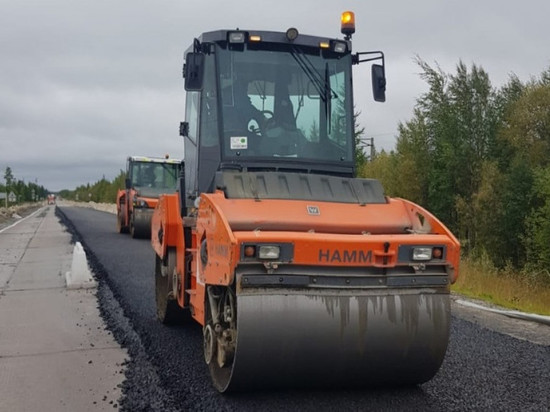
<point>492,363</point>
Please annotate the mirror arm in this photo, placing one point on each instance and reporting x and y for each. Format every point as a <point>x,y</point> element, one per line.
<point>378,72</point>
<point>355,58</point>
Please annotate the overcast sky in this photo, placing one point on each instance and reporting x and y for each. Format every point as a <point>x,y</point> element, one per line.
<point>85,83</point>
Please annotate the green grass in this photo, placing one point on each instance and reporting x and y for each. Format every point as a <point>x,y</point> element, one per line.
<point>479,279</point>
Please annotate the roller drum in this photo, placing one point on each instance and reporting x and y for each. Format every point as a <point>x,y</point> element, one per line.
<point>141,223</point>
<point>337,338</point>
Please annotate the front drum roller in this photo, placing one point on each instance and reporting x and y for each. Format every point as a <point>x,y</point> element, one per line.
<point>140,223</point>
<point>272,338</point>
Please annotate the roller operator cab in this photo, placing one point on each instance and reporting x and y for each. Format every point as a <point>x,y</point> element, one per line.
<point>146,179</point>
<point>300,273</point>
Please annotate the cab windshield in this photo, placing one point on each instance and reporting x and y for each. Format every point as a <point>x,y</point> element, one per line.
<point>154,178</point>
<point>285,103</point>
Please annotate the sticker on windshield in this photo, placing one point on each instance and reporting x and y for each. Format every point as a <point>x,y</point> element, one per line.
<point>238,142</point>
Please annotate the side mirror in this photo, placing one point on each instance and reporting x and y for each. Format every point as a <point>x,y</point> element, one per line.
<point>184,129</point>
<point>193,71</point>
<point>127,183</point>
<point>378,82</point>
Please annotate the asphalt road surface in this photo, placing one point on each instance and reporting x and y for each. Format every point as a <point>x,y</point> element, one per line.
<point>487,367</point>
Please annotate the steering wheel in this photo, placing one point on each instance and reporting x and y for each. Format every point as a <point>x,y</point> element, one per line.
<point>269,112</point>
<point>260,121</point>
<point>264,121</point>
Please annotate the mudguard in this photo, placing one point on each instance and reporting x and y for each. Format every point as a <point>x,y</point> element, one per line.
<point>166,225</point>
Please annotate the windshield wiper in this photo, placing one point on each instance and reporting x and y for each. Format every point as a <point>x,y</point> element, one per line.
<point>320,82</point>
<point>328,103</point>
<point>171,171</point>
<point>310,71</point>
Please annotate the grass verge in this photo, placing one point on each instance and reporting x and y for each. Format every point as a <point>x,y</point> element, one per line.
<point>479,279</point>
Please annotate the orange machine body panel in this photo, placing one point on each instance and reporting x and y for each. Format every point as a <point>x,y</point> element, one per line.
<point>336,235</point>
<point>166,225</point>
<point>125,203</point>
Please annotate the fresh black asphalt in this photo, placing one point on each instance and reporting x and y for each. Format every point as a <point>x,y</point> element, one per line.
<point>483,370</point>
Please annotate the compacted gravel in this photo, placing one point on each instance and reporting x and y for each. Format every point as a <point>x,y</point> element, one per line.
<point>483,369</point>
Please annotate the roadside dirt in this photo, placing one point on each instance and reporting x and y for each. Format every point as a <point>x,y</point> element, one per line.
<point>13,213</point>
<point>105,207</point>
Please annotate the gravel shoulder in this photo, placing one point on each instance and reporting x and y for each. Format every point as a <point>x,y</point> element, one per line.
<point>531,331</point>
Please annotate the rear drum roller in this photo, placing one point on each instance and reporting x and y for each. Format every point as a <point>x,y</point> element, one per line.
<point>166,287</point>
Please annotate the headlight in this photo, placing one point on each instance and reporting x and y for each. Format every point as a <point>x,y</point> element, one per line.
<point>236,37</point>
<point>269,252</point>
<point>339,46</point>
<point>422,253</point>
<point>254,252</point>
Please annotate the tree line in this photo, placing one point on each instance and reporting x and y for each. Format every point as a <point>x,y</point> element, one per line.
<point>478,157</point>
<point>24,192</point>
<point>102,191</point>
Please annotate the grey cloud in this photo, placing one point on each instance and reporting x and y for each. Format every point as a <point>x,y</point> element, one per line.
<point>86,83</point>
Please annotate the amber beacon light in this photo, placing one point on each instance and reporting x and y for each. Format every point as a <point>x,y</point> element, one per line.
<point>348,24</point>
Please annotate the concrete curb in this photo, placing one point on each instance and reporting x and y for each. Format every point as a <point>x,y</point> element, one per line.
<point>79,277</point>
<point>510,313</point>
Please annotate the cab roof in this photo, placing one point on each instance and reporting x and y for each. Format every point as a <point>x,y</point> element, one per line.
<point>275,37</point>
<point>153,159</point>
